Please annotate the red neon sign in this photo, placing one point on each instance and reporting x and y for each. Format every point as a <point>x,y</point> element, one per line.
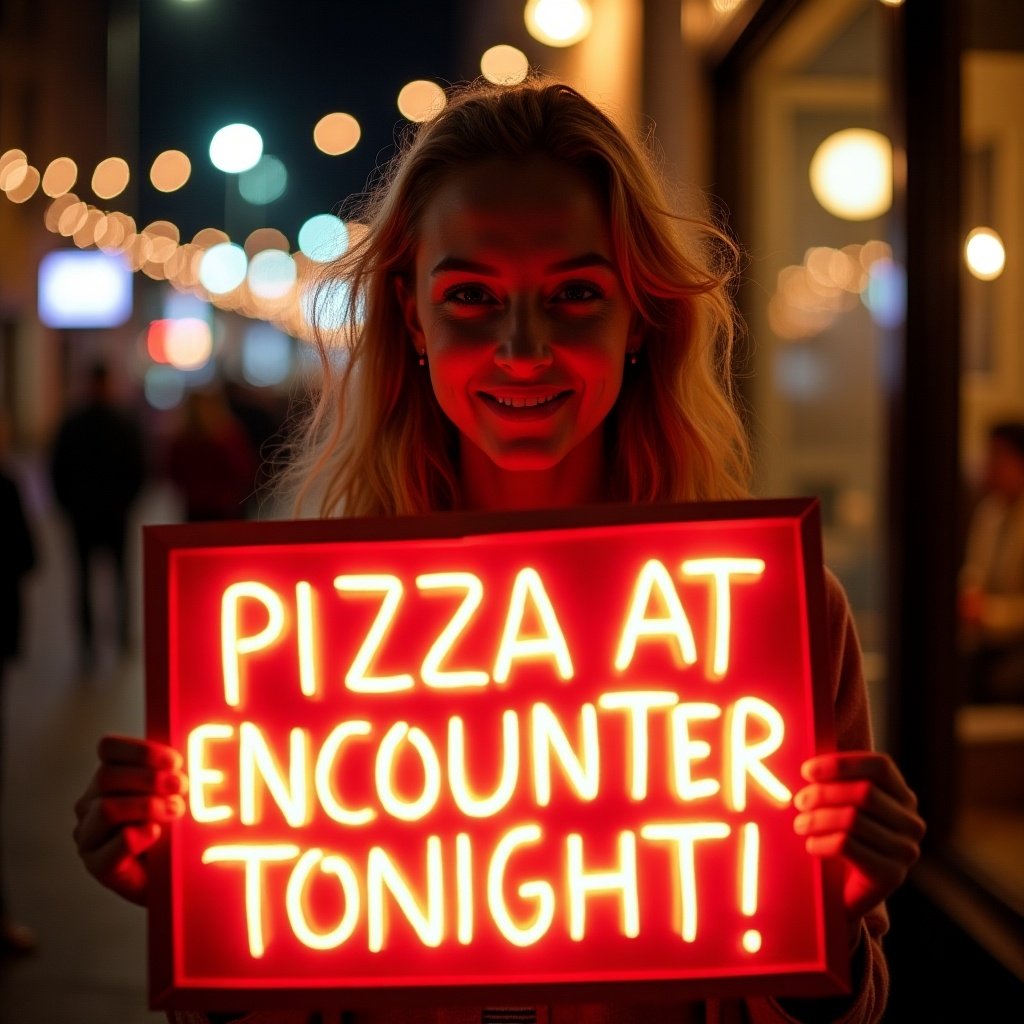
<point>520,756</point>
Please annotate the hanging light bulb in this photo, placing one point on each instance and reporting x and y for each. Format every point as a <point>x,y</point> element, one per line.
<point>558,22</point>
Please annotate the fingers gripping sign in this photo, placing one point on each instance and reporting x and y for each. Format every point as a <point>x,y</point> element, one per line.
<point>858,806</point>
<point>137,789</point>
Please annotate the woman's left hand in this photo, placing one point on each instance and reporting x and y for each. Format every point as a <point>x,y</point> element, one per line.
<point>858,806</point>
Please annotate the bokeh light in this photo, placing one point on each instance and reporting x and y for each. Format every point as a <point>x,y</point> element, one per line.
<point>60,176</point>
<point>886,293</point>
<point>188,343</point>
<point>170,170</point>
<point>336,133</point>
<point>51,218</point>
<point>236,148</point>
<point>11,156</point>
<point>207,238</point>
<point>27,183</point>
<point>271,274</point>
<point>110,177</point>
<point>851,174</point>
<point>164,387</point>
<point>323,237</point>
<point>222,268</point>
<point>985,254</point>
<point>558,22</point>
<point>266,355</point>
<point>265,238</point>
<point>83,289</point>
<point>504,65</point>
<point>421,100</point>
<point>265,182</point>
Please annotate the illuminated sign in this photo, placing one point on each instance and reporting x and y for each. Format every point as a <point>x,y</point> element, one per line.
<point>84,288</point>
<point>531,757</point>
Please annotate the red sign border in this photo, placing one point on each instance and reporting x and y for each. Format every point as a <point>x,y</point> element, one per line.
<point>160,541</point>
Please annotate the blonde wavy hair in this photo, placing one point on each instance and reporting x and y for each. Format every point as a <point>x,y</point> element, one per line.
<point>375,441</point>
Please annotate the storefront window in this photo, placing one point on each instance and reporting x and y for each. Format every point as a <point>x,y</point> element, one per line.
<point>823,293</point>
<point>988,831</point>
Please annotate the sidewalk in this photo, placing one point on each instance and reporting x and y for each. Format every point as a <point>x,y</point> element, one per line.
<point>90,965</point>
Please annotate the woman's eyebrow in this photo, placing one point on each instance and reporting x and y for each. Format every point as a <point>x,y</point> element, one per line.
<point>464,266</point>
<point>587,259</point>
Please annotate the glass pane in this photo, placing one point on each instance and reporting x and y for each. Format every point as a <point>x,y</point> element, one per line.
<point>823,292</point>
<point>988,834</point>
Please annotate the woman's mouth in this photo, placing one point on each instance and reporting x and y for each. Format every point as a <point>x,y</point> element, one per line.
<point>528,405</point>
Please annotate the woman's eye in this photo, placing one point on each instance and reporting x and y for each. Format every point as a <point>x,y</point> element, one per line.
<point>577,291</point>
<point>469,295</point>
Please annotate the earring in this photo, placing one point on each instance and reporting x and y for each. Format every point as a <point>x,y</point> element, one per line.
<point>632,357</point>
<point>423,359</point>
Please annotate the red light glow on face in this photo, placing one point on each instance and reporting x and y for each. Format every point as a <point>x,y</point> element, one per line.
<point>527,757</point>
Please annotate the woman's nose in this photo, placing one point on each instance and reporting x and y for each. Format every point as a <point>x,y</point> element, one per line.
<point>523,346</point>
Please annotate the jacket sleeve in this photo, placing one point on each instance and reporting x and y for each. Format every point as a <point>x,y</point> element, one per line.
<point>869,973</point>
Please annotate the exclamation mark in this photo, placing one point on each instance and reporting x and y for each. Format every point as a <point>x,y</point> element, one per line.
<point>750,855</point>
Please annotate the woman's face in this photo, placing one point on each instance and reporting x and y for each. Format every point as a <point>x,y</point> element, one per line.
<point>520,309</point>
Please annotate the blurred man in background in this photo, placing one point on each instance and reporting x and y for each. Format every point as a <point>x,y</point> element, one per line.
<point>97,470</point>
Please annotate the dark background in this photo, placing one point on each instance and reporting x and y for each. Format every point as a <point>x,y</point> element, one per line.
<point>280,67</point>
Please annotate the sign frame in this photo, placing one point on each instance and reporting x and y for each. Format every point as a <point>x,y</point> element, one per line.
<point>828,975</point>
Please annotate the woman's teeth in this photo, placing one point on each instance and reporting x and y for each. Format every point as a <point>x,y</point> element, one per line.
<point>520,403</point>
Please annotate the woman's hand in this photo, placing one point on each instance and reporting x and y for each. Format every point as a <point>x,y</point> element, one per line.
<point>138,787</point>
<point>857,806</point>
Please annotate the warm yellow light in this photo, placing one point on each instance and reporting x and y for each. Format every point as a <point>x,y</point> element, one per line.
<point>336,133</point>
<point>851,174</point>
<point>265,238</point>
<point>170,170</point>
<point>86,233</point>
<point>56,209</point>
<point>25,182</point>
<point>421,100</point>
<point>985,254</point>
<point>13,170</point>
<point>558,22</point>
<point>504,65</point>
<point>110,177</point>
<point>11,156</point>
<point>59,177</point>
<point>207,238</point>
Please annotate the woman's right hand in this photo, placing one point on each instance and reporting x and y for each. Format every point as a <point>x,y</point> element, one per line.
<point>138,787</point>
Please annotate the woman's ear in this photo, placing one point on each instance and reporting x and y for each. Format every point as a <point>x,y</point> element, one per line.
<point>406,292</point>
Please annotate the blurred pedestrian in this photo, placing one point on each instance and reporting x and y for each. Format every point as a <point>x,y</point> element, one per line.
<point>211,460</point>
<point>18,560</point>
<point>992,577</point>
<point>98,469</point>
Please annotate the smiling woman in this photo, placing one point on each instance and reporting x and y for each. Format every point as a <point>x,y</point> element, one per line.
<point>530,325</point>
<point>576,330</point>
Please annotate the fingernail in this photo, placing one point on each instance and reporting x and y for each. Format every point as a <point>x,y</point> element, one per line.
<point>175,805</point>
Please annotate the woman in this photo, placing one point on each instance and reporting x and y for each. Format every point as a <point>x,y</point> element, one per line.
<point>530,327</point>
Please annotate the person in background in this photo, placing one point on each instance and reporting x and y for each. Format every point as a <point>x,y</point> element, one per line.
<point>97,469</point>
<point>19,559</point>
<point>992,577</point>
<point>211,460</point>
<point>539,331</point>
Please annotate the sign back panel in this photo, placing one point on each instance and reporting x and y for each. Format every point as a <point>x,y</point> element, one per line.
<point>511,758</point>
